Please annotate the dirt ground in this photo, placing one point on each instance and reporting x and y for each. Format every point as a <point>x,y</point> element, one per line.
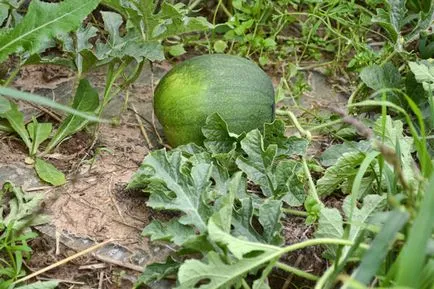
<point>94,206</point>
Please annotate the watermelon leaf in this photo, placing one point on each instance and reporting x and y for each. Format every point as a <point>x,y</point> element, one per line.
<point>193,272</point>
<point>130,45</point>
<point>281,180</point>
<point>218,139</point>
<point>274,133</point>
<point>258,163</point>
<point>42,22</point>
<point>157,271</point>
<point>172,231</point>
<point>174,188</point>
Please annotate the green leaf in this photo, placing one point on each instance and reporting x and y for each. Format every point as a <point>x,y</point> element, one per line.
<point>218,139</point>
<point>48,173</point>
<point>176,50</point>
<point>21,95</point>
<point>174,188</point>
<point>5,105</point>
<point>330,225</point>
<point>171,20</point>
<point>345,169</point>
<point>380,77</point>
<point>397,13</point>
<point>425,20</point>
<point>393,136</point>
<point>23,208</point>
<point>428,275</point>
<point>274,133</point>
<point>371,204</point>
<point>130,45</point>
<point>193,273</point>
<point>382,18</point>
<point>220,46</point>
<point>44,21</point>
<point>85,100</point>
<point>393,19</point>
<point>374,257</point>
<point>424,73</point>
<point>38,132</point>
<point>242,221</point>
<point>412,258</point>
<point>269,217</point>
<point>4,12</point>
<point>331,155</point>
<point>40,285</point>
<point>290,184</point>
<point>80,47</point>
<point>157,271</point>
<point>258,163</point>
<point>16,121</point>
<point>225,204</point>
<point>171,231</point>
<point>5,126</point>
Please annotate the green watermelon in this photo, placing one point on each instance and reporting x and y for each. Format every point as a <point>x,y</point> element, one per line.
<point>232,86</point>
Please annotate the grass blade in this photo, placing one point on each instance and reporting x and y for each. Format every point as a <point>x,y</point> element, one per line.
<point>411,260</point>
<point>20,95</point>
<point>379,248</point>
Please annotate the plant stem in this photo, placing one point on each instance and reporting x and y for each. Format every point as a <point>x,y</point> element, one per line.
<point>312,187</point>
<point>112,77</point>
<point>327,124</point>
<point>294,120</point>
<point>12,76</point>
<point>355,92</point>
<point>322,281</point>
<point>296,271</point>
<point>245,285</point>
<point>194,4</point>
<point>295,212</point>
<point>319,241</point>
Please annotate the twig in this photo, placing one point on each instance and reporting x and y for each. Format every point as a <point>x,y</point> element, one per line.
<point>63,281</point>
<point>34,189</point>
<point>93,266</point>
<point>47,111</point>
<point>101,279</point>
<point>57,235</point>
<point>118,263</point>
<point>61,262</point>
<point>142,129</point>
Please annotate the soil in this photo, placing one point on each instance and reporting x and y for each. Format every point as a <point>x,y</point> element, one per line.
<point>94,205</point>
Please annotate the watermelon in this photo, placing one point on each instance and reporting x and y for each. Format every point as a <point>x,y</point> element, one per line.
<point>232,86</point>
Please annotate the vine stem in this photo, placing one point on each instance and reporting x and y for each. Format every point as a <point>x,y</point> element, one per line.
<point>245,285</point>
<point>295,212</point>
<point>296,271</point>
<point>327,124</point>
<point>294,120</point>
<point>319,241</point>
<point>312,187</point>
